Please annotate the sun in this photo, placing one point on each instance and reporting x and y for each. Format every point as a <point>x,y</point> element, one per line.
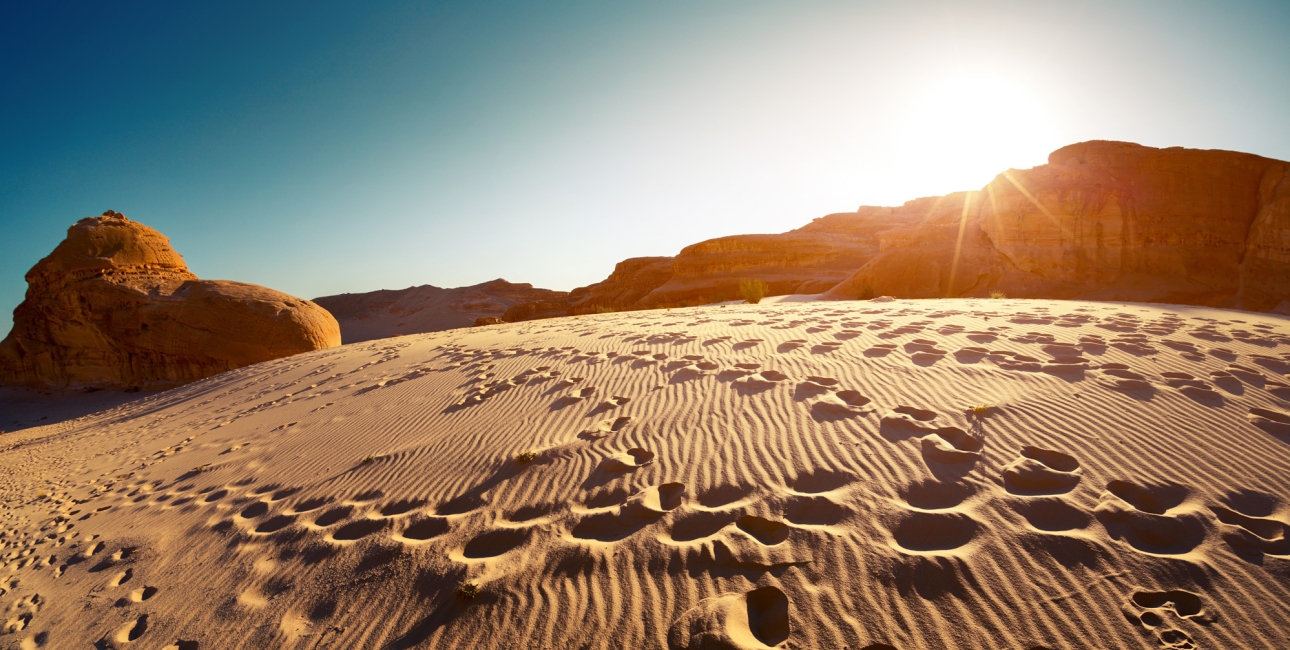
<point>960,131</point>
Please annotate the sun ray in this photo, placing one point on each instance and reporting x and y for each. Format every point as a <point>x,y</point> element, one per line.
<point>958,246</point>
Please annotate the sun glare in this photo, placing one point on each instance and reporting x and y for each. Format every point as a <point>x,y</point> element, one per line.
<point>961,131</point>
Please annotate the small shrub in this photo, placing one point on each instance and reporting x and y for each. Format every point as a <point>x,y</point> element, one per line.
<point>467,590</point>
<point>605,309</point>
<point>866,293</point>
<point>369,459</point>
<point>981,409</point>
<point>752,290</point>
<point>526,456</point>
<point>998,295</point>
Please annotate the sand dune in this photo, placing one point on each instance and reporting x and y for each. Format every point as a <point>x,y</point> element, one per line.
<point>909,474</point>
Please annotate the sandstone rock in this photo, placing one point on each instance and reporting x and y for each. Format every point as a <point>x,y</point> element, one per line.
<point>631,281</point>
<point>1102,221</point>
<point>385,313</point>
<point>115,306</point>
<point>811,259</point>
<point>536,310</point>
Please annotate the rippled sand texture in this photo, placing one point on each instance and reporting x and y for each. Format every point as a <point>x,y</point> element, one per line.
<point>797,475</point>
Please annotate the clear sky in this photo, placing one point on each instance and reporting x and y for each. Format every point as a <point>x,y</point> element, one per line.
<point>321,147</point>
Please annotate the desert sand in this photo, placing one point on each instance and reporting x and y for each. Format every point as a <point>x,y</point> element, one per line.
<point>909,474</point>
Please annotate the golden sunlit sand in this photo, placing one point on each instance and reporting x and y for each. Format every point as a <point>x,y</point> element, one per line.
<point>906,474</point>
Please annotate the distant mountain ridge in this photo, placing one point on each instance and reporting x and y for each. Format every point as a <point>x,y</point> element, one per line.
<point>427,308</point>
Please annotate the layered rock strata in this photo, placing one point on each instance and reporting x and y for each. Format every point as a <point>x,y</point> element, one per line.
<point>1102,221</point>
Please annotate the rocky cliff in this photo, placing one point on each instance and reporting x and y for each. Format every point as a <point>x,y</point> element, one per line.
<point>385,313</point>
<point>1103,221</point>
<point>811,259</point>
<point>115,306</point>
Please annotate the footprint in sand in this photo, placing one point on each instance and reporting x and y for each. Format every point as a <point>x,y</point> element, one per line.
<point>308,505</point>
<point>121,578</point>
<point>880,350</point>
<point>1227,382</point>
<point>759,382</point>
<point>356,530</point>
<point>257,509</point>
<point>934,522</point>
<point>1141,517</point>
<point>767,532</point>
<point>400,507</point>
<point>908,420</point>
<point>971,354</point>
<point>637,512</point>
<point>1251,526</point>
<point>951,445</point>
<point>132,631</point>
<point>494,543</point>
<point>274,524</point>
<point>811,388</point>
<point>1050,515</point>
<point>1118,376</point>
<point>613,403</point>
<point>820,481</point>
<point>756,619</point>
<point>333,516</point>
<point>605,428</point>
<point>1276,423</point>
<point>143,593</point>
<point>922,533</point>
<point>814,511</point>
<point>1155,609</point>
<point>924,352</point>
<point>1038,472</point>
<point>936,495</point>
<point>422,529</point>
<point>1193,387</point>
<point>629,460</point>
<point>839,405</point>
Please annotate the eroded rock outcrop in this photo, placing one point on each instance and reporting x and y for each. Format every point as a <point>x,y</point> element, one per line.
<point>625,288</point>
<point>114,305</point>
<point>386,313</point>
<point>811,259</point>
<point>1102,221</point>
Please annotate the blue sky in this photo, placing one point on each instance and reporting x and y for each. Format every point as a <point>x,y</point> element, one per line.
<point>321,148</point>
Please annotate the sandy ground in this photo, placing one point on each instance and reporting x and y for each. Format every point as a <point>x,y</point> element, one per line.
<point>23,408</point>
<point>796,475</point>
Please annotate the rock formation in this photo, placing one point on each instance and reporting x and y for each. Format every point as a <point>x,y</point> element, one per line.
<point>811,259</point>
<point>385,313</point>
<point>625,288</point>
<point>115,306</point>
<point>1102,221</point>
